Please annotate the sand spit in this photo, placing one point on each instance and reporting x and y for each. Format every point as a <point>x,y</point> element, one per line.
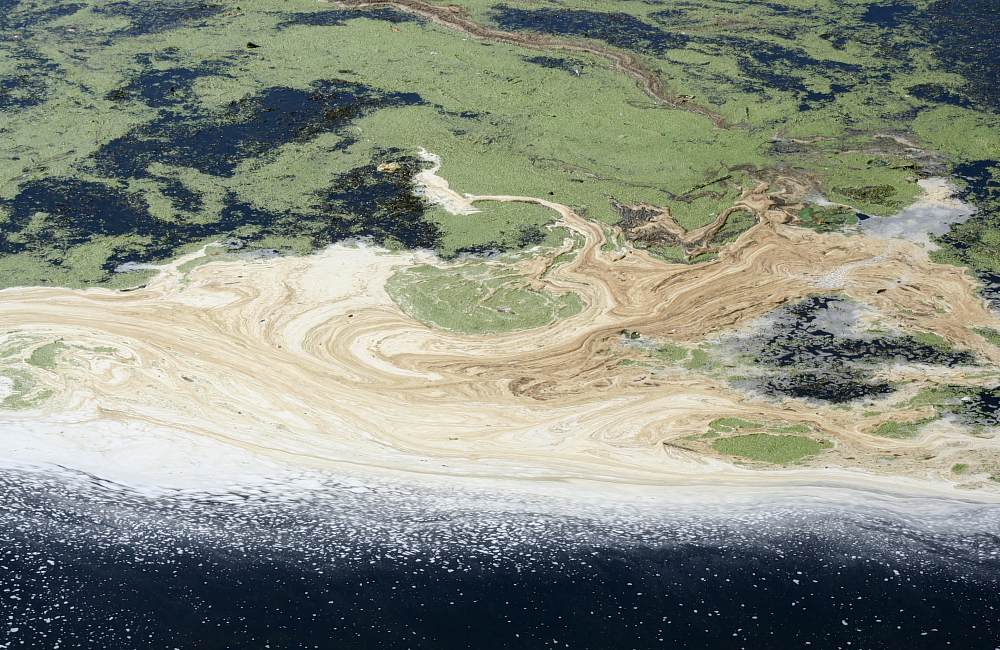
<point>306,362</point>
<point>436,189</point>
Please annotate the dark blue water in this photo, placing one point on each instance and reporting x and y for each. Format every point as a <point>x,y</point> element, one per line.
<point>87,565</point>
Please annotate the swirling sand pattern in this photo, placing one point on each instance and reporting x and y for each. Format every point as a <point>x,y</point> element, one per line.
<point>307,360</point>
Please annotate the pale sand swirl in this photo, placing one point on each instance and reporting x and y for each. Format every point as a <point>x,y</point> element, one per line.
<point>307,361</point>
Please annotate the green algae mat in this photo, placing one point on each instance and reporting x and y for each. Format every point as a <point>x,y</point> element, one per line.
<point>171,124</point>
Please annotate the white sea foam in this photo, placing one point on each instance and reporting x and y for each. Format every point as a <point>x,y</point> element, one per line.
<point>932,214</point>
<point>6,387</point>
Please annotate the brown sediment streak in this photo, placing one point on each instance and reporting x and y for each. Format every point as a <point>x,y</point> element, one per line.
<point>454,17</point>
<point>653,224</point>
<point>308,359</point>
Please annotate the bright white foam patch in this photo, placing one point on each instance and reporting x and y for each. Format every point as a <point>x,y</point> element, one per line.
<point>932,214</point>
<point>141,455</point>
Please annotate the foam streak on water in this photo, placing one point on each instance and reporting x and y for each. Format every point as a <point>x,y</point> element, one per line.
<point>325,562</point>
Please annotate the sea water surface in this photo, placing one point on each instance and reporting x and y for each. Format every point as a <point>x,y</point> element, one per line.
<point>319,563</point>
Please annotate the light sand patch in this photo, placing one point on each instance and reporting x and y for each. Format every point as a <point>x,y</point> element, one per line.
<point>436,190</point>
<point>306,361</point>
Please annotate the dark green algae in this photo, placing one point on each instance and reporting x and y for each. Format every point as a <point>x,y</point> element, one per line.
<point>974,406</point>
<point>50,217</point>
<point>976,242</point>
<point>362,203</point>
<point>619,29</point>
<point>105,196</point>
<point>218,142</point>
<point>774,59</point>
<point>221,142</point>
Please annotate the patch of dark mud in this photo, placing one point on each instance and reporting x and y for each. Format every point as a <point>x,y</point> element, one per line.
<point>837,385</point>
<point>162,88</point>
<point>991,288</point>
<point>339,17</point>
<point>183,198</point>
<point>676,17</point>
<point>162,15</point>
<point>966,40</point>
<point>63,212</point>
<point>252,128</point>
<point>939,94</point>
<point>776,8</point>
<point>380,205</point>
<point>693,16</point>
<point>465,115</point>
<point>573,66</point>
<point>975,406</point>
<point>525,236</point>
<point>823,328</point>
<point>529,234</point>
<point>887,16</point>
<point>980,407</point>
<point>973,243</point>
<point>12,19</point>
<point>766,65</point>
<point>814,349</point>
<point>618,29</point>
<point>29,85</point>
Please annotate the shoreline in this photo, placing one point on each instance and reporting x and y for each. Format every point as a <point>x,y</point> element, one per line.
<point>165,467</point>
<point>309,359</point>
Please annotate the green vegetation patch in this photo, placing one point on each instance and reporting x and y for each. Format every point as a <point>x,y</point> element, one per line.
<point>734,424</point>
<point>932,340</point>
<point>802,86</point>
<point>990,334</point>
<point>671,353</point>
<point>937,396</point>
<point>902,430</point>
<point>699,360</point>
<point>46,356</point>
<point>21,390</point>
<point>977,407</point>
<point>880,194</point>
<point>674,354</point>
<point>19,385</point>
<point>498,227</point>
<point>976,242</point>
<point>823,219</point>
<point>768,448</point>
<point>478,298</point>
